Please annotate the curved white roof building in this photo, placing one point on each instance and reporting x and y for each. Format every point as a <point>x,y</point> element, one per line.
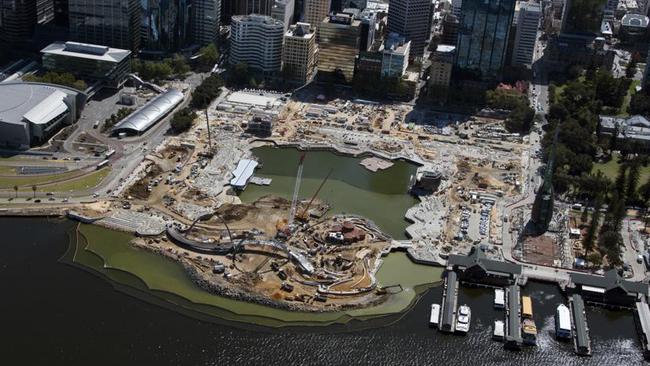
<point>30,113</point>
<point>257,41</point>
<point>152,112</point>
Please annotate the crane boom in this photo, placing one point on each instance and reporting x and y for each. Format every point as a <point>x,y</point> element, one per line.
<point>304,214</point>
<point>296,189</point>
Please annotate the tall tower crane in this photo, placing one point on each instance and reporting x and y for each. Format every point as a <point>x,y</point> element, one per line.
<point>296,189</point>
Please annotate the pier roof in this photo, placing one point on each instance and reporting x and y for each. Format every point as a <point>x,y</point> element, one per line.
<point>578,307</point>
<point>611,280</point>
<point>514,320</point>
<point>447,321</point>
<point>478,258</point>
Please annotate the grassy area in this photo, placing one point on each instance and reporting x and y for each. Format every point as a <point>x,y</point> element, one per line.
<point>610,169</point>
<point>7,170</point>
<point>30,180</point>
<point>623,112</point>
<point>85,182</point>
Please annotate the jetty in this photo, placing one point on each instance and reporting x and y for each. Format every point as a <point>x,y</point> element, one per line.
<point>449,302</point>
<point>513,337</point>
<point>581,340</point>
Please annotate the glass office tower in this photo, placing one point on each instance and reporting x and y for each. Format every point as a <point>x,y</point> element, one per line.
<point>114,23</point>
<point>483,35</point>
<point>165,24</point>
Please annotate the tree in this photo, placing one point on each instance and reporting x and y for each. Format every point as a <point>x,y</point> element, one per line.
<point>209,57</point>
<point>632,182</point>
<point>239,74</point>
<point>610,244</point>
<point>595,258</point>
<point>34,191</point>
<point>182,120</point>
<point>640,103</point>
<point>209,89</point>
<point>16,191</point>
<point>589,239</point>
<point>520,119</point>
<point>178,64</point>
<point>619,183</point>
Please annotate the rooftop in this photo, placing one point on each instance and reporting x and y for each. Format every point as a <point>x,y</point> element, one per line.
<point>145,117</point>
<point>478,258</point>
<point>257,18</point>
<point>609,281</point>
<point>86,51</point>
<point>635,20</point>
<point>37,103</point>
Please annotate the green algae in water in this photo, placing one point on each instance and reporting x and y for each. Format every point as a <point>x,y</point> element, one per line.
<point>380,196</point>
<point>109,253</point>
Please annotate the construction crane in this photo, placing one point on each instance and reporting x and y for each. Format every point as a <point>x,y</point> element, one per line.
<point>304,215</point>
<point>296,189</point>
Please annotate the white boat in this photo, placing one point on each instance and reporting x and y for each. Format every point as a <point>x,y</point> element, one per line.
<point>529,332</point>
<point>463,318</point>
<point>562,322</point>
<point>434,318</point>
<point>499,330</point>
<point>499,298</point>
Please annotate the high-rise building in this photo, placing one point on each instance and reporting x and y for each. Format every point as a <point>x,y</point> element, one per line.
<point>483,35</point>
<point>283,11</point>
<point>411,19</point>
<point>610,10</point>
<point>299,53</point>
<point>395,57</point>
<point>206,16</point>
<point>368,19</point>
<point>165,25</point>
<point>245,7</point>
<point>17,20</point>
<point>450,25</point>
<point>456,6</point>
<point>583,16</point>
<point>526,33</point>
<point>257,41</point>
<point>61,16</point>
<point>44,11</point>
<point>316,11</point>
<point>338,37</point>
<point>442,62</point>
<point>114,23</point>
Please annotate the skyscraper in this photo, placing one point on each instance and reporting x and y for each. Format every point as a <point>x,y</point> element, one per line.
<point>483,35</point>
<point>257,41</point>
<point>44,11</point>
<point>114,23</point>
<point>411,19</point>
<point>283,11</point>
<point>338,42</point>
<point>245,7</point>
<point>299,52</point>
<point>17,20</point>
<point>165,25</point>
<point>206,16</point>
<point>316,11</point>
<point>526,34</point>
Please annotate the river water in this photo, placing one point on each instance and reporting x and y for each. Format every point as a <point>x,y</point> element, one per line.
<point>380,196</point>
<point>53,313</point>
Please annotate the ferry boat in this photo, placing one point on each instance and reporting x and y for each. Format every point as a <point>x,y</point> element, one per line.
<point>529,332</point>
<point>499,330</point>
<point>463,319</point>
<point>526,307</point>
<point>434,318</point>
<point>562,322</point>
<point>499,298</point>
